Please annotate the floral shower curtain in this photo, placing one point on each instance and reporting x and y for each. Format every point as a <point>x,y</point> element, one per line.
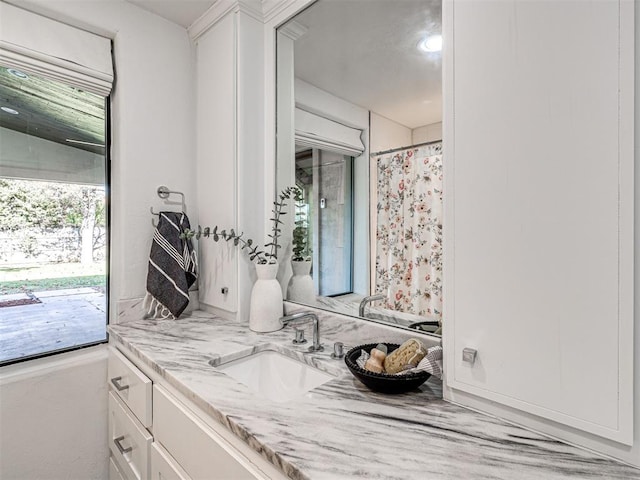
<point>409,230</point>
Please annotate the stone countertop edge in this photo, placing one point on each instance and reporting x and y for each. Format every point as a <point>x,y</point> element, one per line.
<point>362,434</point>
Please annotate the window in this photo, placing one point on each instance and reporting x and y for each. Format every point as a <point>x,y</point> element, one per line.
<point>53,216</point>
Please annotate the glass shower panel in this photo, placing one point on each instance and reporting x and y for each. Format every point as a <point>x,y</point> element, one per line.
<point>326,178</point>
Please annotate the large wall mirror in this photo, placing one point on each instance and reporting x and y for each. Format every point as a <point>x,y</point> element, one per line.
<point>359,131</point>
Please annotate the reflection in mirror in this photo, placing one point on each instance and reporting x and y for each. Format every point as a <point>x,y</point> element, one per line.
<point>325,178</point>
<point>359,112</point>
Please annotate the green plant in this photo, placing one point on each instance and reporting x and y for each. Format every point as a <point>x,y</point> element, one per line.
<point>301,250</point>
<point>253,250</point>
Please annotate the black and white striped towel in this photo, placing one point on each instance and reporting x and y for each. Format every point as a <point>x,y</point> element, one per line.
<point>172,267</point>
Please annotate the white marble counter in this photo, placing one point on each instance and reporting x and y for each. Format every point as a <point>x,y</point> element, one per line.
<point>341,430</point>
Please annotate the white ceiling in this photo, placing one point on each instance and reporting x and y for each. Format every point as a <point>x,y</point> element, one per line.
<point>182,12</point>
<point>365,52</point>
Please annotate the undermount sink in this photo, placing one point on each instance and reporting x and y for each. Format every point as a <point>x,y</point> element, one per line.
<point>274,375</point>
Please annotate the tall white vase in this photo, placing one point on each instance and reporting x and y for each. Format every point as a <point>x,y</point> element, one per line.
<point>300,288</point>
<point>266,300</point>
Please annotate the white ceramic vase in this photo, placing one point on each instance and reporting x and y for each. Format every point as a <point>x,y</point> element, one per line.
<point>266,300</point>
<point>300,288</point>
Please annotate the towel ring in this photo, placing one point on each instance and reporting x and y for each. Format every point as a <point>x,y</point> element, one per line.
<point>164,192</point>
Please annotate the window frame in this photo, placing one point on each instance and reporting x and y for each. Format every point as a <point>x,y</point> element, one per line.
<point>107,200</point>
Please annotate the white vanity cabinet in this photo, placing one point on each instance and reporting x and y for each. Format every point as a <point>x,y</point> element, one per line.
<point>129,417</point>
<point>114,470</point>
<point>539,219</point>
<point>129,441</point>
<point>131,386</point>
<point>181,443</point>
<point>201,450</point>
<point>164,467</point>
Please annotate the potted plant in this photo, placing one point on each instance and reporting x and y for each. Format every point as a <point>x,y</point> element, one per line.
<point>266,296</point>
<point>301,249</point>
<point>300,287</point>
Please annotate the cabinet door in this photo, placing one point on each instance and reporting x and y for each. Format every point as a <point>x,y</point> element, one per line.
<point>201,452</point>
<point>539,209</point>
<point>216,159</point>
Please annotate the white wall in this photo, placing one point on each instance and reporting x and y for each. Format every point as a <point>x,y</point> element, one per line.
<point>386,134</point>
<point>53,418</point>
<point>153,144</point>
<point>427,133</point>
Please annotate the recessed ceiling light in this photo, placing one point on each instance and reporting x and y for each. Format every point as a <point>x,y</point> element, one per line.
<point>9,110</point>
<point>17,73</point>
<point>432,43</point>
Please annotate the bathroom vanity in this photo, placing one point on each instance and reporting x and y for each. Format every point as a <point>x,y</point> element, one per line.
<point>178,416</point>
<point>538,268</point>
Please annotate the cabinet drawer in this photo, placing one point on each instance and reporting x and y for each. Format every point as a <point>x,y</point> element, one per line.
<point>114,470</point>
<point>163,467</point>
<point>131,385</point>
<point>201,452</point>
<point>129,441</point>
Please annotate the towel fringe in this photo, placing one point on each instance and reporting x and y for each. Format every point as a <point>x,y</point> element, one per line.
<point>155,309</point>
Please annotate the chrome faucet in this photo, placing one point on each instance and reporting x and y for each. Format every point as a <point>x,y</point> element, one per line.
<point>304,317</point>
<point>369,299</point>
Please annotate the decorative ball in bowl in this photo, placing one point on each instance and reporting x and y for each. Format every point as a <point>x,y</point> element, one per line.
<point>383,382</point>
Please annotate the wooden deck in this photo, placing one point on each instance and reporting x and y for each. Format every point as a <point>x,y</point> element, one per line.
<point>65,318</point>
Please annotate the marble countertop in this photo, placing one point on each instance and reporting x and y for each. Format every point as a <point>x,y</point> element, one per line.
<point>342,430</point>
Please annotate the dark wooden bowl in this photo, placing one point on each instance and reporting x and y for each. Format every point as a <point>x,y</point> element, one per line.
<point>383,382</point>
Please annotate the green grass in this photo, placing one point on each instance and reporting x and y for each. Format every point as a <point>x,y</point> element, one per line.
<point>20,286</point>
<point>35,278</point>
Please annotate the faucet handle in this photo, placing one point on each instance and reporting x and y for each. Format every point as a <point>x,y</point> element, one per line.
<point>299,337</point>
<point>338,350</point>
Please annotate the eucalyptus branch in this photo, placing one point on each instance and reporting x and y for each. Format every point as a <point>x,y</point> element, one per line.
<point>278,211</point>
<point>253,250</point>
